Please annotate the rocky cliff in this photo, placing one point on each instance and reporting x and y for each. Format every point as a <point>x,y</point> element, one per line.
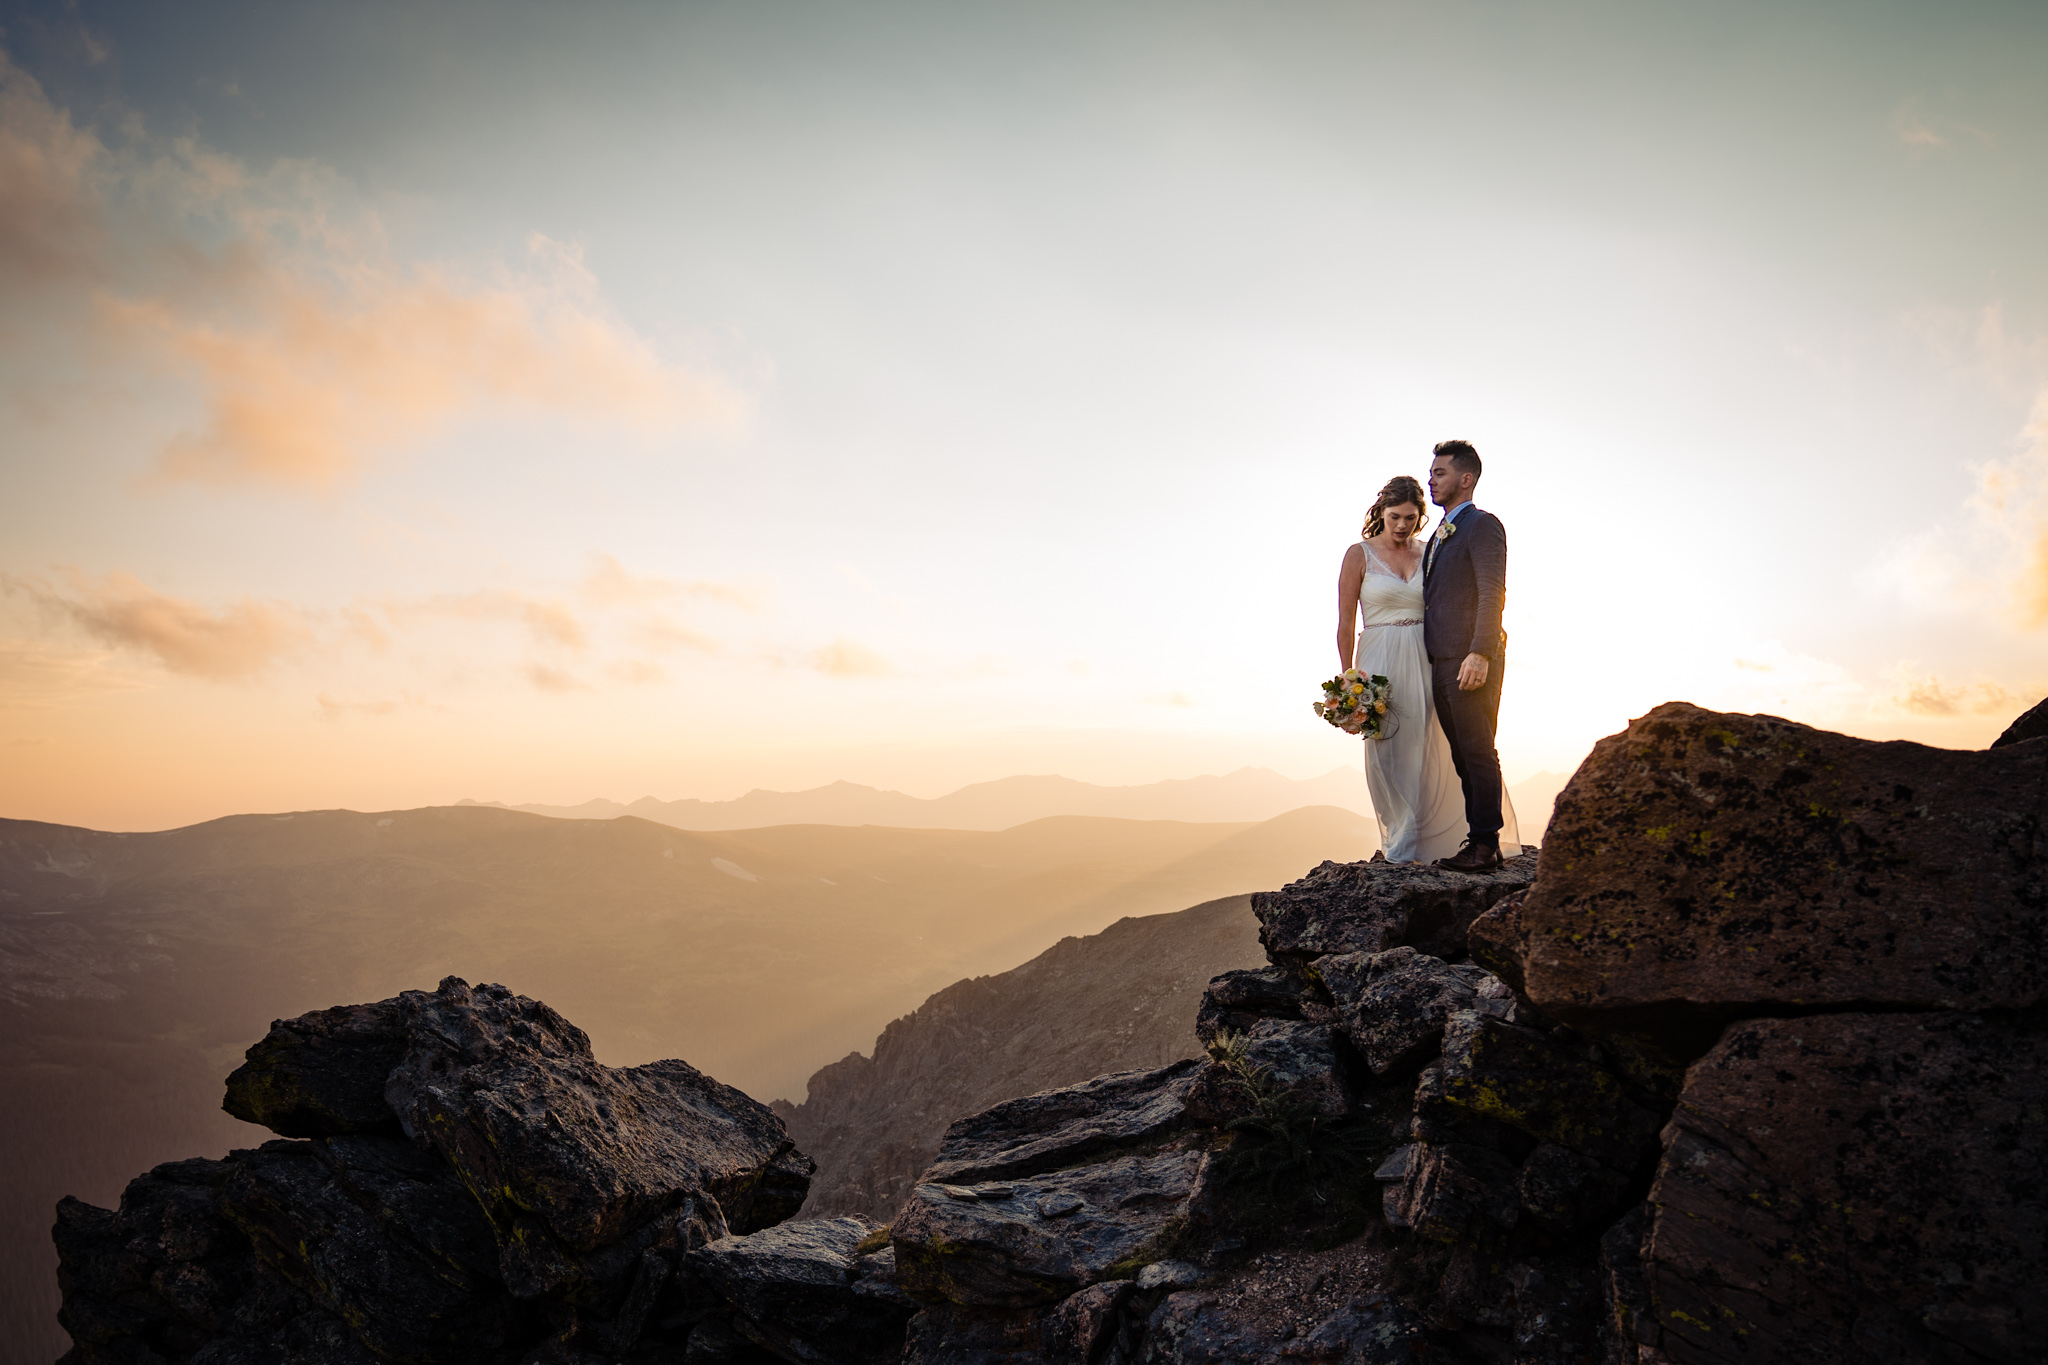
<point>1121,1000</point>
<point>1750,1067</point>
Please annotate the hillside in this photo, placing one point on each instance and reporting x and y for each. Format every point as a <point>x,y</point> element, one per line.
<point>1119,1000</point>
<point>135,968</point>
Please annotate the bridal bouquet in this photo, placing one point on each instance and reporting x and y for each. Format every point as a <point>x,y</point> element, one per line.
<point>1358,704</point>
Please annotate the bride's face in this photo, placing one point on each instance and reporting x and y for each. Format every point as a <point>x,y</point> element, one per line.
<point>1402,519</point>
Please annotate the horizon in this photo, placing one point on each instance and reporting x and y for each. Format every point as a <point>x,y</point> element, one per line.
<point>921,397</point>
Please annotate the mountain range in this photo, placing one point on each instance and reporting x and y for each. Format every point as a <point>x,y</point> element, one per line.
<point>1247,794</point>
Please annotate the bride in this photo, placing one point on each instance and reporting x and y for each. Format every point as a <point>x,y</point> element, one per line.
<point>1415,791</point>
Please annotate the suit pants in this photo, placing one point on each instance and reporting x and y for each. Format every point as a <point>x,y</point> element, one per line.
<point>1469,720</point>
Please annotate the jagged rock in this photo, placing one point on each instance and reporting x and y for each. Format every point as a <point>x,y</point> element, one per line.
<point>1169,1275</point>
<point>1032,1200</point>
<point>1188,1329</point>
<point>566,1155</point>
<point>1039,1238</point>
<point>1371,907</point>
<point>1449,1189</point>
<point>1393,1004</point>
<point>948,1334</point>
<point>1080,1329</point>
<point>715,1341</point>
<point>1519,1077</point>
<point>2031,725</point>
<point>383,1236</point>
<point>321,1074</point>
<point>1237,1000</point>
<point>1629,1320</point>
<point>1495,941</point>
<point>1857,1187</point>
<point>1710,865</point>
<point>1061,1127</point>
<point>1566,1190</point>
<point>167,1278</point>
<point>795,1291</point>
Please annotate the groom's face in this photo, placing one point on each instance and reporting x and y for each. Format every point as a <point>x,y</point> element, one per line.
<point>1446,484</point>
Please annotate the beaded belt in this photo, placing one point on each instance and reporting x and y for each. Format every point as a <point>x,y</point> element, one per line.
<point>1375,625</point>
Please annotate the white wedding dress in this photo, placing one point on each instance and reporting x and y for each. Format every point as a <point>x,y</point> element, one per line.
<point>1414,785</point>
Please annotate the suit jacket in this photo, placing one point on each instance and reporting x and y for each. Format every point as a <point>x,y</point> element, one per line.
<point>1465,588</point>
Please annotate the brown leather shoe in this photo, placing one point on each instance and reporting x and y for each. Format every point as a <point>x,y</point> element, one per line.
<point>1472,858</point>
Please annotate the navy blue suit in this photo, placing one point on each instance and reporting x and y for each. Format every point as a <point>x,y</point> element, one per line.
<point>1464,589</point>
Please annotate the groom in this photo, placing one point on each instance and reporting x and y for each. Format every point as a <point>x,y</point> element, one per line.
<point>1464,587</point>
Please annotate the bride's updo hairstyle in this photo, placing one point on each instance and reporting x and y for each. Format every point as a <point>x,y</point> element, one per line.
<point>1399,489</point>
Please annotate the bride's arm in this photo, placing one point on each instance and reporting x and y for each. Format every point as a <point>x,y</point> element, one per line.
<point>1349,578</point>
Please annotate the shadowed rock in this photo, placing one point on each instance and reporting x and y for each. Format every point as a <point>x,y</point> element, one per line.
<point>1035,1199</point>
<point>1856,1187</point>
<point>1522,1078</point>
<point>795,1291</point>
<point>383,1236</point>
<point>566,1155</point>
<point>1062,1127</point>
<point>167,1277</point>
<point>1393,1005</point>
<point>321,1074</point>
<point>1717,865</point>
<point>1371,907</point>
<point>2032,725</point>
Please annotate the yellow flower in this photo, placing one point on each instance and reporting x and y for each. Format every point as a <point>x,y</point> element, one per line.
<point>1379,708</point>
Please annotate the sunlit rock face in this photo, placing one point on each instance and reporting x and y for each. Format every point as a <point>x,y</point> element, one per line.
<point>1727,865</point>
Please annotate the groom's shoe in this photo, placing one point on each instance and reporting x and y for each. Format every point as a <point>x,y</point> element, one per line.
<point>1472,858</point>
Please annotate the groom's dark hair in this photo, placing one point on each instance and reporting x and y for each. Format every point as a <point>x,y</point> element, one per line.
<point>1464,458</point>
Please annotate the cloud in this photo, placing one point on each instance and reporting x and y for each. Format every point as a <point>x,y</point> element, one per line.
<point>610,585</point>
<point>311,346</point>
<point>331,709</point>
<point>548,621</point>
<point>552,679</point>
<point>231,644</point>
<point>50,228</point>
<point>1920,132</point>
<point>1929,696</point>
<point>845,659</point>
<point>2012,496</point>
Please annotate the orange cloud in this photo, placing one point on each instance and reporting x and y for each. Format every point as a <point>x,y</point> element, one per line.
<point>236,642</point>
<point>1930,696</point>
<point>549,622</point>
<point>311,347</point>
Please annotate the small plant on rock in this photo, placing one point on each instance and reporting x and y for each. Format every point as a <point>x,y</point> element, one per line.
<point>1283,1147</point>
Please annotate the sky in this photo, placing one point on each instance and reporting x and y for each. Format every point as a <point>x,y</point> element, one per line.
<point>404,403</point>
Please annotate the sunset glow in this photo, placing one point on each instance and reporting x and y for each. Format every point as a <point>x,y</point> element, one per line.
<point>408,405</point>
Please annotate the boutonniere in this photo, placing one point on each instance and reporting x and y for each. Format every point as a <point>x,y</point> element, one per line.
<point>1448,529</point>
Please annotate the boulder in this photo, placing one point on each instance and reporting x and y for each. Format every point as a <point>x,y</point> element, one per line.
<point>565,1155</point>
<point>1080,1330</point>
<point>384,1237</point>
<point>1062,1127</point>
<point>1371,907</point>
<point>167,1277</point>
<point>322,1074</point>
<point>1531,1081</point>
<point>1039,1238</point>
<point>795,1290</point>
<point>2031,725</point>
<point>1237,1000</point>
<point>1856,1187</point>
<point>1393,1004</point>
<point>1450,1190</point>
<point>1037,1198</point>
<point>1706,866</point>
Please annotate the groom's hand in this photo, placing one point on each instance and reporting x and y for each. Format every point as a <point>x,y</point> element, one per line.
<point>1472,673</point>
